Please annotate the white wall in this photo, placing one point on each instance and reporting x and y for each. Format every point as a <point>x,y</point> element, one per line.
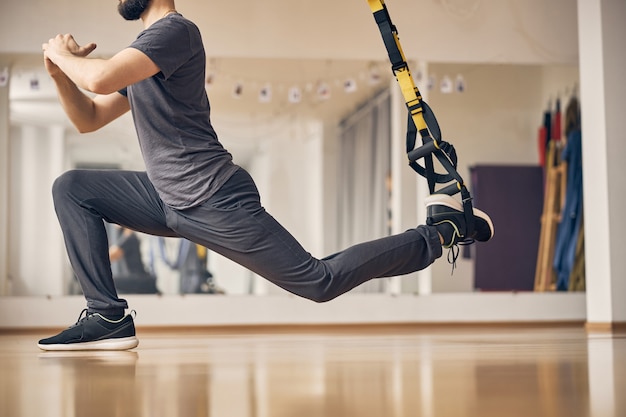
<point>4,175</point>
<point>603,64</point>
<point>614,33</point>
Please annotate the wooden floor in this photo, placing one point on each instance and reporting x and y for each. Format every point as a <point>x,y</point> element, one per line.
<point>378,372</point>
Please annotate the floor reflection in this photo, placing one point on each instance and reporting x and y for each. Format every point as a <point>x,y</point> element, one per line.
<point>95,383</point>
<point>398,372</point>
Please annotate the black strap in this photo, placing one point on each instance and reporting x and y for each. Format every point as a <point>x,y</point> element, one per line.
<point>422,120</point>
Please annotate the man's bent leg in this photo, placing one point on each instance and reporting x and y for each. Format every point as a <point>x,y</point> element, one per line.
<point>83,199</point>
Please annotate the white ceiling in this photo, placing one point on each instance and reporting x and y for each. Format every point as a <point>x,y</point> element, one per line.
<point>470,31</point>
<point>299,43</point>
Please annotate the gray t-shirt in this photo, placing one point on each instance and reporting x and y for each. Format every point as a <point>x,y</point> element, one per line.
<point>184,158</point>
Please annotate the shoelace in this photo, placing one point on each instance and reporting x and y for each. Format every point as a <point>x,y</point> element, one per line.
<point>453,255</point>
<point>81,318</point>
<point>454,251</point>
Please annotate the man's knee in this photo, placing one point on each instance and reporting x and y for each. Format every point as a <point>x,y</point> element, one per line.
<point>321,295</point>
<point>64,183</point>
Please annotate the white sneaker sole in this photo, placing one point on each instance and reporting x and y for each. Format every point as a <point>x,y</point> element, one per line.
<point>123,343</point>
<point>449,201</point>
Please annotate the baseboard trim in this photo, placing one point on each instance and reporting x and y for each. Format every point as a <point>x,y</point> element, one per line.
<point>339,328</point>
<point>605,327</point>
<point>272,311</point>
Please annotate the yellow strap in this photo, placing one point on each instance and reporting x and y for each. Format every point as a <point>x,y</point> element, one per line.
<point>410,92</point>
<point>412,97</point>
<point>376,5</point>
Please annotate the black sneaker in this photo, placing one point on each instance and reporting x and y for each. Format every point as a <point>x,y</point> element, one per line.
<point>94,332</point>
<point>447,215</point>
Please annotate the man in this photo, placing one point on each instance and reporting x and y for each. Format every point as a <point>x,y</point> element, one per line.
<point>191,187</point>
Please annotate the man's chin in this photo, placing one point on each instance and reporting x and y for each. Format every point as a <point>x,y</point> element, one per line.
<point>132,9</point>
<point>128,19</point>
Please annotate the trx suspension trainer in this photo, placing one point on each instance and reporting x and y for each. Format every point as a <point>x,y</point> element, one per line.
<point>421,119</point>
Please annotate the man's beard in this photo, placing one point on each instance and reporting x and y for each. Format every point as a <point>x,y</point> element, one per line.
<point>132,9</point>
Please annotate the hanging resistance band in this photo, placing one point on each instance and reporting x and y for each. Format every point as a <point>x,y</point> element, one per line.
<point>421,119</point>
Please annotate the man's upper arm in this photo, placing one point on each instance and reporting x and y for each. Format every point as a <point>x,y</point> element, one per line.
<point>125,68</point>
<point>133,66</point>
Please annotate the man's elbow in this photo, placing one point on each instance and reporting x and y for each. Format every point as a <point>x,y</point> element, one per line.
<point>100,84</point>
<point>100,87</point>
<point>84,127</point>
<point>81,129</point>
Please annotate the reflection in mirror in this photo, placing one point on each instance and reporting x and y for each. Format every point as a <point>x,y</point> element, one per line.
<point>143,264</point>
<point>306,158</point>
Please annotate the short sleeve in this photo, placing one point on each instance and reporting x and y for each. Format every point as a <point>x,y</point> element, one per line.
<point>166,43</point>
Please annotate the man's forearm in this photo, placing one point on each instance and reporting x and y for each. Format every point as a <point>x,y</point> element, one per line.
<point>77,105</point>
<point>87,73</point>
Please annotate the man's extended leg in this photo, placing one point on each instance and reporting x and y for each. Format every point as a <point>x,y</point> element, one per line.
<point>234,224</point>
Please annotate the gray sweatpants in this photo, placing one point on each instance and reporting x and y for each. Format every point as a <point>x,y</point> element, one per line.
<point>232,223</point>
